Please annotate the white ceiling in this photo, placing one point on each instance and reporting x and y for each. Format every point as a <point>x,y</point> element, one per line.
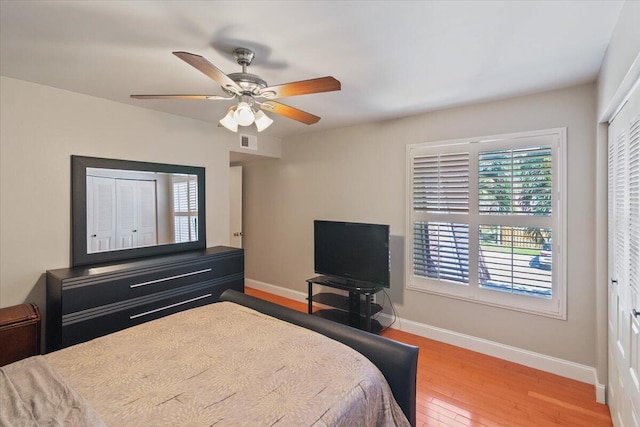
<point>393,58</point>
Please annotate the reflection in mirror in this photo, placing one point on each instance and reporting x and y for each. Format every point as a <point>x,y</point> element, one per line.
<point>130,209</point>
<point>122,209</point>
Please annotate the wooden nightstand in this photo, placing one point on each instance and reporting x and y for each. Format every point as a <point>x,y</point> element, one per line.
<point>19,332</point>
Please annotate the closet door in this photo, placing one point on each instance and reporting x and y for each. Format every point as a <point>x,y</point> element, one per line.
<point>136,215</point>
<point>624,263</point>
<point>147,213</point>
<point>101,214</point>
<point>126,214</point>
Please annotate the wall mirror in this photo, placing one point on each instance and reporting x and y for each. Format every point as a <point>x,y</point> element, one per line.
<point>126,209</point>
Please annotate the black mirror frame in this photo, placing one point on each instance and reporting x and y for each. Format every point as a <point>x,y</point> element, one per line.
<point>79,255</point>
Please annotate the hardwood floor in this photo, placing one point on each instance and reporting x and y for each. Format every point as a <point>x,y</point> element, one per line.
<point>458,387</point>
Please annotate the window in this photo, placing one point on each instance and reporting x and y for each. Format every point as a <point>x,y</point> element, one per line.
<point>185,208</point>
<point>486,219</point>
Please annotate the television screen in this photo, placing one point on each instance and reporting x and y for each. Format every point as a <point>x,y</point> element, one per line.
<point>352,252</point>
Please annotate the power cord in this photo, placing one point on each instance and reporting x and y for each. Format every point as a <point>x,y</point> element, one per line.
<point>395,316</point>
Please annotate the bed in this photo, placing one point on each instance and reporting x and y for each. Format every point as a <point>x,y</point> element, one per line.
<point>241,361</point>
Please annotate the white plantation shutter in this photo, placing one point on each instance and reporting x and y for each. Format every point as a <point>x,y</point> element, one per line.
<point>611,202</point>
<point>193,195</point>
<point>634,203</point>
<point>509,272</point>
<point>515,182</point>
<point>523,174</point>
<point>482,215</point>
<point>441,183</point>
<point>181,196</point>
<point>181,206</point>
<point>620,192</point>
<point>441,251</point>
<point>185,207</point>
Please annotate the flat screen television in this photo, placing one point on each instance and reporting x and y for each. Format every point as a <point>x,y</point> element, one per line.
<point>352,253</point>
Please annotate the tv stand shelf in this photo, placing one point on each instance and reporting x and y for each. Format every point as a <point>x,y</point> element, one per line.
<point>341,302</point>
<point>351,310</point>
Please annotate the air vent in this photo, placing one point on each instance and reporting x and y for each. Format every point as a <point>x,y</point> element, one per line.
<point>250,142</point>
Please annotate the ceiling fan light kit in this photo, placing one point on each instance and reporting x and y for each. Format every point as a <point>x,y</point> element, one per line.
<point>248,89</point>
<point>262,121</point>
<point>244,114</point>
<point>229,122</point>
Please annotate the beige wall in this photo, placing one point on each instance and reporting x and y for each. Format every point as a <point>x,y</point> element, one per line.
<point>358,174</point>
<point>41,127</point>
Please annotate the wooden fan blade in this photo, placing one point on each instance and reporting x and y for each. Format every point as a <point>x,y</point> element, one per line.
<point>215,97</point>
<point>208,69</point>
<point>322,84</point>
<point>291,112</point>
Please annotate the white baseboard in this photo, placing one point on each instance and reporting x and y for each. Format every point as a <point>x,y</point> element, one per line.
<point>276,290</point>
<point>554,365</point>
<point>601,391</point>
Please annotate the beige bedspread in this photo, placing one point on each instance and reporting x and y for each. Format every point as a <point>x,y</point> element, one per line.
<point>33,394</point>
<point>224,364</point>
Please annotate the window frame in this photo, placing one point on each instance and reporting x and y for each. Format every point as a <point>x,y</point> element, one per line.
<point>553,307</point>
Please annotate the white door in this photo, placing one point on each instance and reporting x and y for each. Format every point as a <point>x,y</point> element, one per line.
<point>126,214</point>
<point>101,214</point>
<point>235,206</point>
<point>136,216</point>
<point>147,215</point>
<point>624,264</point>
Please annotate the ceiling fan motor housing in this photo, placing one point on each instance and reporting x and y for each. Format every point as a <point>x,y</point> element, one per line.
<point>249,83</point>
<point>243,56</point>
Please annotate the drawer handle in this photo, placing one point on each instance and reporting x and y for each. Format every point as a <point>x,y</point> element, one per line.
<point>146,313</point>
<point>164,279</point>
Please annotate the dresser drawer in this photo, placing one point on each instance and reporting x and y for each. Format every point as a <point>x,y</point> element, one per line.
<point>102,290</point>
<point>91,323</point>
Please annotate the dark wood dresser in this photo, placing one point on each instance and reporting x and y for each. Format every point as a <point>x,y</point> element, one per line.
<point>19,332</point>
<point>90,301</point>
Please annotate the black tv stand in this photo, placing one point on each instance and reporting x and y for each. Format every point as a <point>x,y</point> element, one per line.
<point>350,310</point>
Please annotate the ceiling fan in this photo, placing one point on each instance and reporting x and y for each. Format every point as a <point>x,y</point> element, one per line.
<point>251,92</point>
